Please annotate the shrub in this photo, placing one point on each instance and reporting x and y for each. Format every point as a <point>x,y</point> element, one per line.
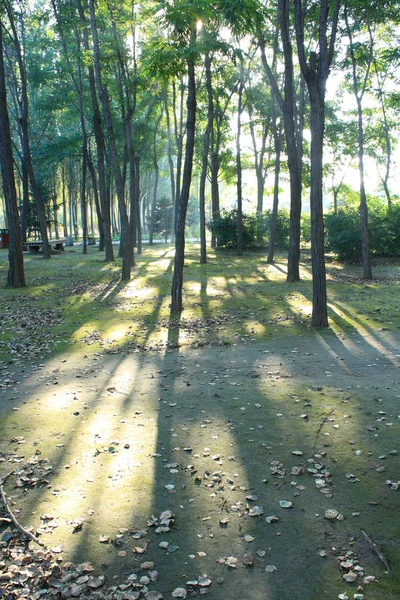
<point>255,229</point>
<point>344,232</point>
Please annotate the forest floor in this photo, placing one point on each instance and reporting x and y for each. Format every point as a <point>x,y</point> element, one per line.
<point>232,451</point>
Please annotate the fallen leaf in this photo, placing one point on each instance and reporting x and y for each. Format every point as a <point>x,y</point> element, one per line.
<point>270,568</point>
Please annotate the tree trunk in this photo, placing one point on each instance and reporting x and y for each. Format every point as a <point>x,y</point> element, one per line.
<point>367,270</point>
<point>274,215</point>
<point>24,124</point>
<point>319,310</point>
<point>64,202</point>
<point>178,126</point>
<point>204,163</point>
<point>25,202</point>
<point>100,146</point>
<point>15,275</point>
<point>138,220</point>
<point>358,95</point>
<point>239,166</point>
<point>177,283</point>
<point>104,97</point>
<point>316,73</point>
<point>156,179</point>
<point>287,105</point>
<point>169,149</point>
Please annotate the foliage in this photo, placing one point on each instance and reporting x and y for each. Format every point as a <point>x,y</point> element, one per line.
<point>163,218</point>
<point>255,228</point>
<point>344,234</point>
<point>305,225</point>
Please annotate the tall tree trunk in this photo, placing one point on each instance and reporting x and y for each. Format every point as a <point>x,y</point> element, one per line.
<point>25,202</point>
<point>138,219</point>
<point>319,310</point>
<point>64,201</point>
<point>24,124</point>
<point>15,275</point>
<point>287,105</point>
<point>239,165</point>
<point>178,127</point>
<point>177,282</point>
<point>100,146</point>
<point>275,205</point>
<point>169,148</point>
<point>204,160</point>
<point>367,270</point>
<point>358,94</point>
<point>156,179</point>
<point>84,199</point>
<point>316,73</point>
<point>104,97</point>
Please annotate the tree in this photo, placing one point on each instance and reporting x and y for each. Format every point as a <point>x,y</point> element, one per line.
<point>287,104</point>
<point>366,57</point>
<point>24,124</point>
<point>316,73</point>
<point>15,275</point>
<point>177,282</point>
<point>126,238</point>
<point>100,145</point>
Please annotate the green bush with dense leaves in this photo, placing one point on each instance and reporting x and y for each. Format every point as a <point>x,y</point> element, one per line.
<point>255,229</point>
<point>343,232</point>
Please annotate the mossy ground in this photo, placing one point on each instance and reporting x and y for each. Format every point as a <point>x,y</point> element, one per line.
<point>101,379</point>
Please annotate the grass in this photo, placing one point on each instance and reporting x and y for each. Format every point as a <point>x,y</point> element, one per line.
<point>227,301</point>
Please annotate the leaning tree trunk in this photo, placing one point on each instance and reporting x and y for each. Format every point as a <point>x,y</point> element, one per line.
<point>177,282</point>
<point>15,275</point>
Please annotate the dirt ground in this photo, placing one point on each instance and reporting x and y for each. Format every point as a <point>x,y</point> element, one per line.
<point>248,446</point>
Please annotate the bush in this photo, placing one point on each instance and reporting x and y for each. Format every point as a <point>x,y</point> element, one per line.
<point>255,229</point>
<point>344,232</point>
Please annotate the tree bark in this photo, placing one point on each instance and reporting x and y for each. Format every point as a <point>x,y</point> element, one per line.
<point>156,180</point>
<point>316,73</point>
<point>15,275</point>
<point>358,94</point>
<point>177,283</point>
<point>25,142</point>
<point>100,146</point>
<point>169,152</point>
<point>104,97</point>
<point>275,205</point>
<point>287,106</point>
<point>204,163</point>
<point>239,165</point>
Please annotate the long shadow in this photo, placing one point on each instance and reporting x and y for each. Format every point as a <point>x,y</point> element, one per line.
<point>207,413</point>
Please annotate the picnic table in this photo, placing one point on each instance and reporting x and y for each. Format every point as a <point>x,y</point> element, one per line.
<point>36,246</point>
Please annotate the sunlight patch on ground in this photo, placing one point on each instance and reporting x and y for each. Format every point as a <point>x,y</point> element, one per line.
<point>106,474</point>
<point>298,302</point>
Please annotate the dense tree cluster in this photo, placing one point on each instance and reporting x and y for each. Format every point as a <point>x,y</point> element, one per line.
<point>125,118</point>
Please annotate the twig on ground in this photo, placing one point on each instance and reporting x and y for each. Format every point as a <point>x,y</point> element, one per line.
<point>321,426</point>
<point>377,550</point>
<point>12,516</point>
